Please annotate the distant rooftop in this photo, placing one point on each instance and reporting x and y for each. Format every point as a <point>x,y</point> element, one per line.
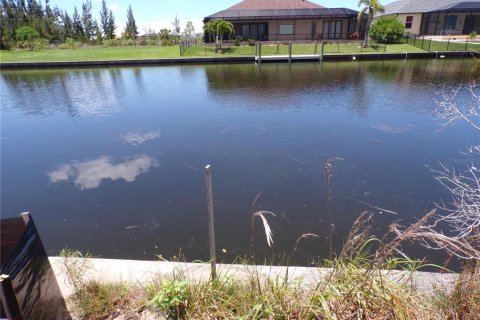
<point>263,14</point>
<point>274,4</point>
<point>424,6</point>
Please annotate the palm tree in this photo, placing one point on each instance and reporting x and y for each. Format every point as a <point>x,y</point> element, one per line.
<point>219,27</point>
<point>371,8</point>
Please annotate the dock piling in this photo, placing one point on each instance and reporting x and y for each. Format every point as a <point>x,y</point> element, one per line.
<point>289,52</point>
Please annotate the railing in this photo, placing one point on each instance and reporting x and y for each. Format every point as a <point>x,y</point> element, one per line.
<point>296,37</point>
<point>185,44</point>
<point>247,48</point>
<point>452,43</point>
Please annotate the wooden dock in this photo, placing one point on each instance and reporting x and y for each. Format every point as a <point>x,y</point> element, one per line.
<point>288,58</point>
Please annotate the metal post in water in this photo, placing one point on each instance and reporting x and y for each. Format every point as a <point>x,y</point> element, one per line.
<point>211,224</point>
<point>466,45</point>
<point>8,298</point>
<point>448,43</point>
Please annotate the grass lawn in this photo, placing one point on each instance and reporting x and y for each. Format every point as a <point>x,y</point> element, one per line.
<point>444,45</point>
<point>158,52</point>
<point>90,53</point>
<point>281,49</point>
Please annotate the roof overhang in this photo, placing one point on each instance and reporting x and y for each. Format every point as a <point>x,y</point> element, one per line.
<point>250,15</point>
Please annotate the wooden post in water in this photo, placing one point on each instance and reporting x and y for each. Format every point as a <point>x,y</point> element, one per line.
<point>322,50</point>
<point>211,224</point>
<point>289,52</point>
<point>25,217</point>
<point>260,53</point>
<point>8,299</point>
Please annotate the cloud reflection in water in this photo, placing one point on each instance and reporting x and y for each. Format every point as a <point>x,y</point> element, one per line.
<point>136,139</point>
<point>90,174</point>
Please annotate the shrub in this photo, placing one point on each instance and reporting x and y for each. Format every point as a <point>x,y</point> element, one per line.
<point>6,43</point>
<point>171,298</point>
<point>472,35</point>
<point>112,43</point>
<point>127,42</point>
<point>25,36</point>
<point>354,36</point>
<point>70,44</point>
<point>387,30</point>
<point>40,44</point>
<point>169,42</point>
<point>236,42</point>
<point>251,42</point>
<point>142,41</point>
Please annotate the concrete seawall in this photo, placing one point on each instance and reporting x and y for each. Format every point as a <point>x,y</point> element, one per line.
<point>220,60</point>
<point>143,272</point>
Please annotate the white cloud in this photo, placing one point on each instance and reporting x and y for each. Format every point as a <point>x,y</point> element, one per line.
<point>90,174</point>
<point>114,7</point>
<point>139,138</point>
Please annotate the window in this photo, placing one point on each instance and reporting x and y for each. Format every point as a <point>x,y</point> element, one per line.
<point>408,22</point>
<point>255,31</point>
<point>332,29</point>
<point>286,29</point>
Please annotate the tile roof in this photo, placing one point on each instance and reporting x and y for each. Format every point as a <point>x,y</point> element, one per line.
<point>274,4</point>
<point>265,14</point>
<point>423,6</point>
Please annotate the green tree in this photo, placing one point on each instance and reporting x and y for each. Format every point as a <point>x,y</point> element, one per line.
<point>111,26</point>
<point>98,33</point>
<point>189,31</point>
<point>388,30</point>
<point>7,32</point>
<point>68,26</point>
<point>25,35</point>
<point>87,20</point>
<point>104,18</point>
<point>219,28</point>
<point>371,7</point>
<point>131,31</point>
<point>78,32</point>
<point>176,26</point>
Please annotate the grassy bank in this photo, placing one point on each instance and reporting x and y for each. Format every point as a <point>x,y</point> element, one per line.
<point>350,289</point>
<point>362,282</point>
<point>159,52</point>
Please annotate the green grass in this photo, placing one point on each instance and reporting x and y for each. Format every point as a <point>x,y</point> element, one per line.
<point>282,49</point>
<point>90,54</point>
<point>158,52</point>
<point>444,45</point>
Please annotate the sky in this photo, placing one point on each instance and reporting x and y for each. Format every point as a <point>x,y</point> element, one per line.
<point>159,14</point>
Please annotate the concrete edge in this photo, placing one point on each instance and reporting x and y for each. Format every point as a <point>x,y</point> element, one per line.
<point>219,60</point>
<point>143,272</point>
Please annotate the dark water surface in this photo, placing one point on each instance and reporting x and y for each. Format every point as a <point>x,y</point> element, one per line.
<point>111,161</point>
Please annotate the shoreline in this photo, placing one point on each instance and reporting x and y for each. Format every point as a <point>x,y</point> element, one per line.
<point>237,59</point>
<point>142,272</point>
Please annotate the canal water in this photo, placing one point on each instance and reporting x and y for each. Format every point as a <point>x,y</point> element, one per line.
<point>110,161</point>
